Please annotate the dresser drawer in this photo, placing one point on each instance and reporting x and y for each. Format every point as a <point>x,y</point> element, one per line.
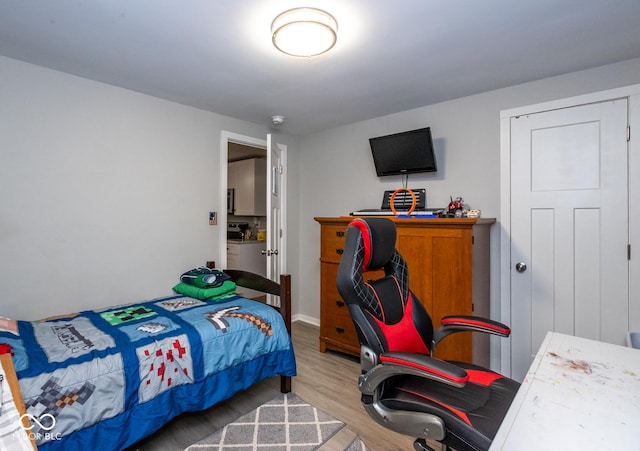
<point>335,307</point>
<point>332,242</point>
<point>329,296</point>
<point>330,299</point>
<point>340,329</point>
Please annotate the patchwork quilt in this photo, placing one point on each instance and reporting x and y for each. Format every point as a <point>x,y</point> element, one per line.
<point>104,379</point>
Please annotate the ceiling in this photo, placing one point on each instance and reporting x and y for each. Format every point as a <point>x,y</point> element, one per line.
<point>390,56</point>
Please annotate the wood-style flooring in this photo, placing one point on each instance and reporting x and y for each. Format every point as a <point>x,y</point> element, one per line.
<point>326,380</point>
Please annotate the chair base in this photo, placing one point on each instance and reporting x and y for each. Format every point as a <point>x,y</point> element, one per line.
<point>421,445</point>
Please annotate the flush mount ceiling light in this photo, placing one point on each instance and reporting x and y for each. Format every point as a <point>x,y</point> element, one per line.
<point>304,32</point>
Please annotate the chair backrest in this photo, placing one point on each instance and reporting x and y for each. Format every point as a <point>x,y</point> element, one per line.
<point>386,314</point>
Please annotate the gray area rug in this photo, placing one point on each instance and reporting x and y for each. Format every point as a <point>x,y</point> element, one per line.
<point>286,423</point>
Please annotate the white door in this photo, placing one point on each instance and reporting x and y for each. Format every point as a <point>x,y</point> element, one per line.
<point>569,227</point>
<point>276,192</point>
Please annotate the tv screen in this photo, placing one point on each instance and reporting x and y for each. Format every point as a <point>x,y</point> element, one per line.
<point>404,153</point>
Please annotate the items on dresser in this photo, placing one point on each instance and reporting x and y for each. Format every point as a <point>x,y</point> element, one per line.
<point>401,202</point>
<point>448,260</point>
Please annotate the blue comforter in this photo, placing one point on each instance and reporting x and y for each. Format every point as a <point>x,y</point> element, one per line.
<point>106,379</point>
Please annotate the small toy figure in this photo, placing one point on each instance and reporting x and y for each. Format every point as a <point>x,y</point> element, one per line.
<point>455,208</point>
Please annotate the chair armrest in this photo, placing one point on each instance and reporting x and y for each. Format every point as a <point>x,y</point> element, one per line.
<point>452,324</point>
<point>403,363</point>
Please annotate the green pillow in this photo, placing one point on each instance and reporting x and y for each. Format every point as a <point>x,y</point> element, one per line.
<point>225,290</point>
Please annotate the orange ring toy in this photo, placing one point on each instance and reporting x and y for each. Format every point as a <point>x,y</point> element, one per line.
<point>393,196</point>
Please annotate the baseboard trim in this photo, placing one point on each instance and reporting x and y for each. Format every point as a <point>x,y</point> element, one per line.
<point>306,319</point>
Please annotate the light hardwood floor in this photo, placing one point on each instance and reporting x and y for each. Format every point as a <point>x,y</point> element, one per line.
<point>326,380</point>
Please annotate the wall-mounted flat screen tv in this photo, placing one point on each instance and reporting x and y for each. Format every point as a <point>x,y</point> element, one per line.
<point>404,153</point>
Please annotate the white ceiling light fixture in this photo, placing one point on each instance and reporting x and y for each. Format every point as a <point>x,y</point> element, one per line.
<point>304,32</point>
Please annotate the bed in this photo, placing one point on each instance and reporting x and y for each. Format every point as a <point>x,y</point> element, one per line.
<point>105,379</point>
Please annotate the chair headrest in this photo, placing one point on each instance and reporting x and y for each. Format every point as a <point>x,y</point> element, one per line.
<point>379,239</point>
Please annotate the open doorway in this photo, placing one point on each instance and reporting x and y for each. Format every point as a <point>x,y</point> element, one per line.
<point>266,224</point>
<point>228,139</point>
<point>246,210</point>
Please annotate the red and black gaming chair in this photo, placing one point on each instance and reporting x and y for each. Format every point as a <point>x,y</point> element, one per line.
<point>403,386</point>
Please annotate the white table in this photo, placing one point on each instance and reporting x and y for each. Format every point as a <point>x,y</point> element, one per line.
<point>578,394</point>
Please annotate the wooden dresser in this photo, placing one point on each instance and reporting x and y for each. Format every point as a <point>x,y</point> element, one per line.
<point>448,261</point>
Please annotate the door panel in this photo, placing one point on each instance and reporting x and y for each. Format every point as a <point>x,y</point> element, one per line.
<point>587,238</point>
<point>569,226</point>
<point>276,195</point>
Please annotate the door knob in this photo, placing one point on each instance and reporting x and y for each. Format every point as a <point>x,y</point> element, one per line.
<point>521,267</point>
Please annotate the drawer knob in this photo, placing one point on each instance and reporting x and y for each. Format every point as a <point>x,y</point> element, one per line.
<point>339,251</point>
<point>340,330</point>
<point>340,233</point>
<point>340,303</point>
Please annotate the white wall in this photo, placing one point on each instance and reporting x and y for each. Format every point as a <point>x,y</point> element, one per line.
<point>339,175</point>
<point>104,192</point>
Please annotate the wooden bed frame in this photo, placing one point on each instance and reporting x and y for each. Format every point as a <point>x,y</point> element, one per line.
<point>257,282</point>
<point>241,278</point>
